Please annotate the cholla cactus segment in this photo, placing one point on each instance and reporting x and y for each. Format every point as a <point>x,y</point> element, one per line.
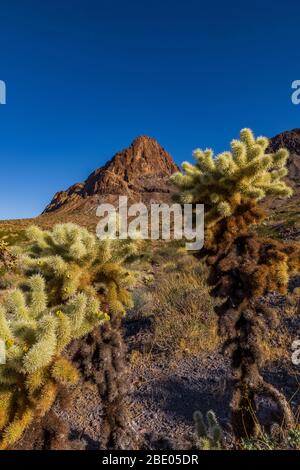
<point>209,437</point>
<point>247,172</point>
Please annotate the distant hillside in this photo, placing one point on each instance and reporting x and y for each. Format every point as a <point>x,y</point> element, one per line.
<point>284,220</point>
<point>291,141</point>
<point>141,172</point>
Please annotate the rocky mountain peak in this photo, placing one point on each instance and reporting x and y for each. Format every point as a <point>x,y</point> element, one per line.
<point>143,168</point>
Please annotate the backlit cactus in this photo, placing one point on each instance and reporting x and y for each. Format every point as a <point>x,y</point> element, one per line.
<point>230,179</point>
<point>244,267</point>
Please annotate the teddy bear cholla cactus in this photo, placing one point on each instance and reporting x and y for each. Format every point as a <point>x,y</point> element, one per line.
<point>35,337</point>
<point>226,181</point>
<point>71,258</point>
<point>244,266</point>
<point>209,437</point>
<point>75,283</point>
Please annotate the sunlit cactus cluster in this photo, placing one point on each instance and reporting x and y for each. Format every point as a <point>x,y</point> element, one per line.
<point>71,259</point>
<point>223,182</point>
<point>36,336</point>
<point>73,284</point>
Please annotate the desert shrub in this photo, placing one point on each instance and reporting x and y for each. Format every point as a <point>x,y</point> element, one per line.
<point>273,441</point>
<point>243,266</point>
<point>7,257</point>
<point>8,265</point>
<point>185,320</point>
<point>142,303</point>
<point>13,237</point>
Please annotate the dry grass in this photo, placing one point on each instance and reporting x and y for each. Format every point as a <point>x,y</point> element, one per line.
<point>184,311</point>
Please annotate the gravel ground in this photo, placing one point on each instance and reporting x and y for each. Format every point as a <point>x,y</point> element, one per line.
<point>167,390</point>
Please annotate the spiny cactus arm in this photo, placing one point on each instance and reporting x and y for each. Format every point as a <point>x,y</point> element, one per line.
<point>64,372</point>
<point>205,161</point>
<point>75,309</point>
<point>46,398</point>
<point>36,380</point>
<point>212,419</point>
<point>46,265</point>
<point>211,438</point>
<point>103,251</point>
<point>278,189</point>
<point>199,424</point>
<point>94,316</point>
<point>280,158</point>
<point>38,298</point>
<point>70,281</point>
<point>6,396</point>
<point>13,432</point>
<point>215,429</point>
<point>184,181</point>
<point>68,241</point>
<point>114,273</point>
<point>63,330</point>
<point>122,250</point>
<point>42,352</point>
<point>125,298</point>
<point>15,304</point>
<point>78,250</point>
<point>6,333</point>
<point>115,306</point>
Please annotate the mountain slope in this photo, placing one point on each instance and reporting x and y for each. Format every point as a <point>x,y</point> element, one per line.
<point>291,141</point>
<point>284,214</point>
<point>141,172</point>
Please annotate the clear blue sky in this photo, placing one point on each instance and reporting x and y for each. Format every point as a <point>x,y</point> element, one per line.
<point>85,77</point>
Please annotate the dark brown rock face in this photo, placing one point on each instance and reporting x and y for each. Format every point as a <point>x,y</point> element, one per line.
<point>291,141</point>
<point>141,170</point>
